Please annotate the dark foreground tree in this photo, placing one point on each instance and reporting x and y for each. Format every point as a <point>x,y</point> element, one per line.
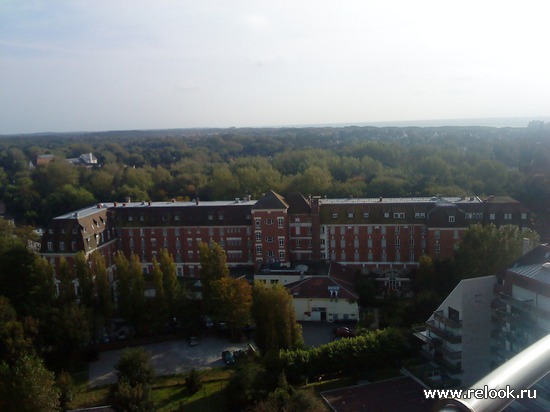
<point>135,374</point>
<point>273,314</point>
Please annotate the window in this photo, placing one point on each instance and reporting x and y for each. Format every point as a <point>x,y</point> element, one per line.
<point>411,241</point>
<point>350,215</point>
<point>177,217</point>
<point>335,215</point>
<point>280,222</point>
<point>298,244</point>
<point>73,246</point>
<point>258,236</point>
<point>451,219</point>
<point>507,216</point>
<point>397,241</point>
<point>492,216</point>
<point>437,234</point>
<point>50,246</point>
<point>210,216</point>
<point>269,221</point>
<point>365,215</point>
<point>437,247</point>
<point>62,246</point>
<point>220,216</point>
<point>399,215</point>
<point>386,214</point>
<point>369,242</point>
<point>281,242</point>
<point>258,249</point>
<point>269,239</point>
<point>257,222</point>
<point>281,254</point>
<point>419,215</point>
<point>397,256</point>
<point>524,216</point>
<point>383,242</point>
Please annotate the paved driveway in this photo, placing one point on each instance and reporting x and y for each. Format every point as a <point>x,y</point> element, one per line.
<point>167,357</point>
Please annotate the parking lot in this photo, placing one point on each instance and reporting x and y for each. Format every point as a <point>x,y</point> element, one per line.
<point>176,356</point>
<point>169,357</point>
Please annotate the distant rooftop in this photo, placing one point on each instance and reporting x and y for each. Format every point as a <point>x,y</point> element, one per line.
<point>90,210</point>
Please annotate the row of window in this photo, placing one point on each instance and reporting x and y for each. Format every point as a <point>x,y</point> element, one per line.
<point>270,253</point>
<point>269,221</point>
<point>222,231</point>
<point>422,215</point>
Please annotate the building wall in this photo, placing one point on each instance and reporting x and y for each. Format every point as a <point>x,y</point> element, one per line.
<point>335,309</point>
<point>363,233</point>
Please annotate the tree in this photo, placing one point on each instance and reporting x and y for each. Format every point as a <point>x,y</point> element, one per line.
<point>485,250</point>
<point>273,314</point>
<point>85,280</point>
<point>134,366</point>
<point>26,385</point>
<point>213,267</point>
<point>159,307</point>
<point>103,298</point>
<point>172,290</point>
<point>232,300</point>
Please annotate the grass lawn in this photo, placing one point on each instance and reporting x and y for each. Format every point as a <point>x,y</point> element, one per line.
<point>168,393</point>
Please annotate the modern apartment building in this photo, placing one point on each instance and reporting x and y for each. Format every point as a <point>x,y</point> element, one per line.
<point>486,321</point>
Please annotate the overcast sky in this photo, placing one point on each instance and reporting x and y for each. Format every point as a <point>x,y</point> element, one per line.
<point>80,65</point>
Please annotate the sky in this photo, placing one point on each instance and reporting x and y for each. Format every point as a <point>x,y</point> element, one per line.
<point>93,65</point>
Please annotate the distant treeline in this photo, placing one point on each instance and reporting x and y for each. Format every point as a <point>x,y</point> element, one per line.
<point>229,163</point>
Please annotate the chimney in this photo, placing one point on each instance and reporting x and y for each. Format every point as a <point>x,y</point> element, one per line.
<point>526,245</point>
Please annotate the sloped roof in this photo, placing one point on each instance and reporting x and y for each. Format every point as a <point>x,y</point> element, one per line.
<point>271,200</point>
<point>298,204</point>
<point>318,287</point>
<point>537,256</point>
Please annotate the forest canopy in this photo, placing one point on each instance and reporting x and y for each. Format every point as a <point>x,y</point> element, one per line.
<point>217,164</point>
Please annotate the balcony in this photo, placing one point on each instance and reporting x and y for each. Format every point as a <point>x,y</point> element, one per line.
<point>432,342</point>
<point>451,368</point>
<point>443,334</point>
<point>440,316</point>
<point>526,305</point>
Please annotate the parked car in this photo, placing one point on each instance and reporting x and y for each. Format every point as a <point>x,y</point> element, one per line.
<point>193,341</point>
<point>228,358</point>
<point>344,332</point>
<point>240,354</point>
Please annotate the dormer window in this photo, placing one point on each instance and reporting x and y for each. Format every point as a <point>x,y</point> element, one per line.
<point>335,215</point>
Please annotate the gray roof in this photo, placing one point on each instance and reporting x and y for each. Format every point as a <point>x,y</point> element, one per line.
<point>538,272</point>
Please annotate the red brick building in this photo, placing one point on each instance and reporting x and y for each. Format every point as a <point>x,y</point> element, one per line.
<point>388,235</point>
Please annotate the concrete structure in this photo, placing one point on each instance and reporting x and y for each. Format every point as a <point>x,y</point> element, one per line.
<point>457,337</point>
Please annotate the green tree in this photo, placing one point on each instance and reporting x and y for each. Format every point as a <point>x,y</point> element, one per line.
<point>103,298</point>
<point>172,290</point>
<point>85,280</point>
<point>485,250</point>
<point>27,386</point>
<point>213,267</point>
<point>135,367</point>
<point>273,314</point>
<point>159,307</point>
<point>232,302</point>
